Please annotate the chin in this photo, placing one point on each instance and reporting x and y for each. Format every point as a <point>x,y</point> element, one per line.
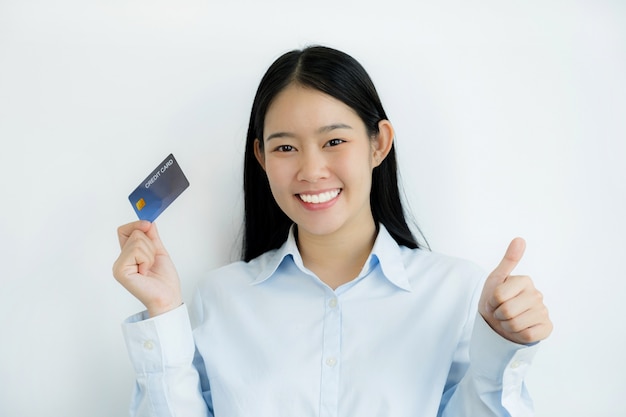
<point>319,228</point>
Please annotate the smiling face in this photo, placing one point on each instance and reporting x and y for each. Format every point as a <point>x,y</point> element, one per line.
<point>319,159</point>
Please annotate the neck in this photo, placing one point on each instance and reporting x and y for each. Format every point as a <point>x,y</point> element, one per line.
<point>339,257</point>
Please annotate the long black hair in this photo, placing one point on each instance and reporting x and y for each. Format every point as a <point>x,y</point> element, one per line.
<point>342,77</point>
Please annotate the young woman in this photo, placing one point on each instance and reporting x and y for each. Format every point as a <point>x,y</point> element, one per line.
<point>334,309</point>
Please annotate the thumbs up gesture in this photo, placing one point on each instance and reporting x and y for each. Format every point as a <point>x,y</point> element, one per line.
<point>511,304</point>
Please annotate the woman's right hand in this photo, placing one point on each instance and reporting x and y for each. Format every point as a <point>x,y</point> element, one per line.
<point>145,269</point>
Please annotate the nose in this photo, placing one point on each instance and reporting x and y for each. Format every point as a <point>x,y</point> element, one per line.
<point>313,166</point>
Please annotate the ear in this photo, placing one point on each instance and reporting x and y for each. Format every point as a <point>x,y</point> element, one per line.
<point>381,144</point>
<point>259,154</point>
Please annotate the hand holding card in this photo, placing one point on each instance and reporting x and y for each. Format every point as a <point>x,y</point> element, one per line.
<point>145,268</point>
<point>155,193</point>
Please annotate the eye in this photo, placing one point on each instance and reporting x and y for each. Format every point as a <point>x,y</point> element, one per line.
<point>284,148</point>
<point>334,142</point>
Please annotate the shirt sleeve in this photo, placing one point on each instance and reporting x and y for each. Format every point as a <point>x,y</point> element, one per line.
<point>162,351</point>
<point>494,382</point>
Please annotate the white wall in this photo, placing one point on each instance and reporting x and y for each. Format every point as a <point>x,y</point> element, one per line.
<point>510,120</point>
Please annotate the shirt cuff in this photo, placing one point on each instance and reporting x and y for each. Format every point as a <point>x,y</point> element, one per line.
<point>497,359</point>
<point>160,342</point>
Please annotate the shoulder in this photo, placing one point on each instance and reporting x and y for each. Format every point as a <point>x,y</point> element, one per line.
<point>414,265</point>
<point>237,274</point>
<point>435,266</point>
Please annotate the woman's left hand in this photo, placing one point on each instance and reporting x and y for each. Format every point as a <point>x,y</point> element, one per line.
<point>511,304</point>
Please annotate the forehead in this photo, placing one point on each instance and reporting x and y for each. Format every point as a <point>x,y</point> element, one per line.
<point>301,108</point>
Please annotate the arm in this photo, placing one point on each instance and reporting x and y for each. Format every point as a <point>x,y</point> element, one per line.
<point>493,383</point>
<point>504,340</point>
<point>160,341</point>
<point>162,352</point>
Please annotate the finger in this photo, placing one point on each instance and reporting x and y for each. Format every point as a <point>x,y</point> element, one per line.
<point>536,333</point>
<point>534,326</point>
<point>520,299</point>
<point>153,235</point>
<point>124,231</point>
<point>531,334</point>
<point>137,256</point>
<point>529,318</point>
<point>511,258</point>
<point>509,289</point>
<point>144,258</point>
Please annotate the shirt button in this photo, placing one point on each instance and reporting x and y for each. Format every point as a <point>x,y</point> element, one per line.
<point>516,364</point>
<point>148,345</point>
<point>331,362</point>
<point>332,303</point>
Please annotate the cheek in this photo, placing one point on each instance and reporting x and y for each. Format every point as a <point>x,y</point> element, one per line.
<point>277,175</point>
<point>357,166</point>
<point>361,177</point>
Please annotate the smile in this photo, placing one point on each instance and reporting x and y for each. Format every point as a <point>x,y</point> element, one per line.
<point>319,198</point>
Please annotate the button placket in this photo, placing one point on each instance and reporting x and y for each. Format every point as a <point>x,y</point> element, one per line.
<point>331,353</point>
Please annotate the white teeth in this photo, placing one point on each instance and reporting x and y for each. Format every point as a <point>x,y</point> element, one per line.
<point>319,198</point>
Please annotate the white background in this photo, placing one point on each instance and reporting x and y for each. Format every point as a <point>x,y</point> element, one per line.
<point>510,120</point>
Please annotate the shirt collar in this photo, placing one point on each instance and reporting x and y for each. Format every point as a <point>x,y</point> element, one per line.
<point>271,261</point>
<point>386,252</point>
<point>389,255</point>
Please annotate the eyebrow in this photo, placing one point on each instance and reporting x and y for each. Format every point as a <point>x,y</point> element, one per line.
<point>321,130</point>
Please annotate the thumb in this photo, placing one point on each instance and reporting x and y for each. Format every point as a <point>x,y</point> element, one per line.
<point>153,235</point>
<point>511,258</point>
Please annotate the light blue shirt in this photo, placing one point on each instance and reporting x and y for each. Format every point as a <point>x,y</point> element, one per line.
<point>268,338</point>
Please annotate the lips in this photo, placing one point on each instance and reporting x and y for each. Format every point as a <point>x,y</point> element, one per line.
<point>319,198</point>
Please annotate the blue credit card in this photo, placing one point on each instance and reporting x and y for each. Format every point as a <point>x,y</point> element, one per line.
<point>159,189</point>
